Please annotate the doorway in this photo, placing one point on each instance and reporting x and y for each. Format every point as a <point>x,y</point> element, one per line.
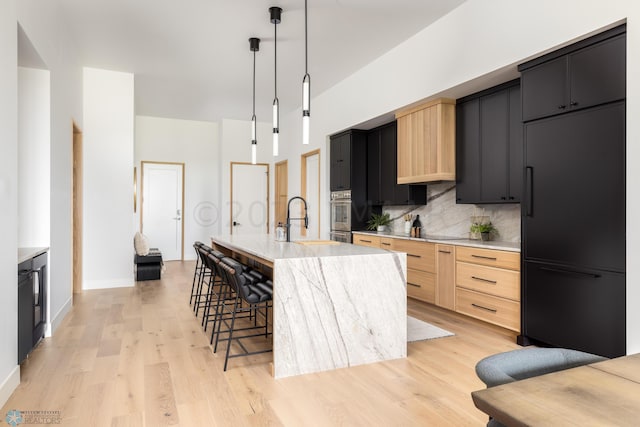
<point>77,210</point>
<point>162,207</point>
<point>310,185</point>
<point>249,198</point>
<point>281,191</point>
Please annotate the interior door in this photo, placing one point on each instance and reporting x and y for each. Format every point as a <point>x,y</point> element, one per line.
<point>311,193</point>
<point>249,198</point>
<point>163,207</point>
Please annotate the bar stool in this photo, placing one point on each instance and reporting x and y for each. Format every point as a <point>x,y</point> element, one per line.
<point>214,285</point>
<point>255,294</point>
<point>205,278</point>
<point>197,273</point>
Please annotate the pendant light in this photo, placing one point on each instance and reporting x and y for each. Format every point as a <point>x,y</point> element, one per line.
<point>306,85</point>
<point>254,46</point>
<point>276,14</point>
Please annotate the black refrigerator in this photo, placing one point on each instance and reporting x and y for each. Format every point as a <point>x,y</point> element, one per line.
<point>574,231</point>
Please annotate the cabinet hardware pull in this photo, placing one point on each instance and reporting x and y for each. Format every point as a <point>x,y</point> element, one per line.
<point>365,241</point>
<point>484,280</point>
<point>562,107</point>
<point>492,310</point>
<point>414,285</point>
<point>444,252</point>
<point>484,257</point>
<point>386,244</point>
<point>570,272</point>
<point>415,256</point>
<point>574,103</point>
<point>503,198</point>
<point>529,190</point>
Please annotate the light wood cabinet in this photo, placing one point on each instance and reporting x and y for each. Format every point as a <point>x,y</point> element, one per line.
<point>421,268</point>
<point>426,142</point>
<point>445,276</point>
<point>366,240</point>
<point>488,286</point>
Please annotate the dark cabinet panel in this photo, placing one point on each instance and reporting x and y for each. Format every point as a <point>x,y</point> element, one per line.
<point>574,210</point>
<point>382,171</point>
<point>25,310</point>
<point>603,63</point>
<point>489,146</point>
<point>588,75</point>
<point>468,151</point>
<point>494,137</point>
<point>340,175</point>
<point>578,309</point>
<point>545,89</point>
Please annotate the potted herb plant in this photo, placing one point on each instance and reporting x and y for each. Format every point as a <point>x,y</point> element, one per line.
<point>485,230</point>
<point>379,222</point>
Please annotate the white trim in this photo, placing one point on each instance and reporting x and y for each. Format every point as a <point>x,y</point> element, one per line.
<point>108,283</point>
<point>9,385</point>
<point>58,318</point>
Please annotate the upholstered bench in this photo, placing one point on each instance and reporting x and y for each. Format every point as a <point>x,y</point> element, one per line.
<point>148,267</point>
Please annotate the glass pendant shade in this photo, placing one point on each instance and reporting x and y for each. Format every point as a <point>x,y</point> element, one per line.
<point>306,113</point>
<point>253,153</point>
<point>254,142</point>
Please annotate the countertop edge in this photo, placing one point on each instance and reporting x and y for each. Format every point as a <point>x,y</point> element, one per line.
<point>496,245</point>
<point>25,254</point>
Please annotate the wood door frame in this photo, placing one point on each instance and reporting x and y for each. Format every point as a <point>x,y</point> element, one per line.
<point>231,164</point>
<point>181,164</point>
<point>303,184</point>
<point>277,189</point>
<point>76,209</point>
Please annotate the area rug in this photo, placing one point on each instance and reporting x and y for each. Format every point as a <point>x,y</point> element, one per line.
<point>417,330</point>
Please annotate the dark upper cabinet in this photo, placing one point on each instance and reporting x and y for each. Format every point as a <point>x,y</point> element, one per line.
<point>348,163</point>
<point>382,164</point>
<point>580,76</point>
<point>489,146</point>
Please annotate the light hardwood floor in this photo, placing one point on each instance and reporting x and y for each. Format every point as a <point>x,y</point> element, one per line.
<point>138,357</point>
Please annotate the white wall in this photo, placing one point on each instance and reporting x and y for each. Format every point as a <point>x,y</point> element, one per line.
<point>476,46</point>
<point>195,144</point>
<point>34,158</point>
<point>235,146</point>
<point>56,47</point>
<point>9,370</point>
<point>108,179</point>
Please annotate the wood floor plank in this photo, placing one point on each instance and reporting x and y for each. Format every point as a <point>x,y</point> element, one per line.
<point>138,357</point>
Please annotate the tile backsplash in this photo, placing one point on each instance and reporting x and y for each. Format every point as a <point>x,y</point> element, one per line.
<point>443,217</point>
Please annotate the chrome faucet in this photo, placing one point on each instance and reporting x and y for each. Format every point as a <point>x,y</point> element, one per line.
<point>305,218</point>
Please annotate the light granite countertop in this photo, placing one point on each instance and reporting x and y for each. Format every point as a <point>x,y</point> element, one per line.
<point>28,253</point>
<point>266,247</point>
<point>503,246</point>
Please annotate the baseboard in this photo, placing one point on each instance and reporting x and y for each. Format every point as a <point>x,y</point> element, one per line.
<point>58,318</point>
<point>108,284</point>
<point>9,385</point>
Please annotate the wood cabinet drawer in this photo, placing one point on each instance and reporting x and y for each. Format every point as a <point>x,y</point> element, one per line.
<point>386,242</point>
<point>365,240</point>
<point>421,285</point>
<point>499,311</point>
<point>420,255</point>
<point>490,280</point>
<point>490,257</point>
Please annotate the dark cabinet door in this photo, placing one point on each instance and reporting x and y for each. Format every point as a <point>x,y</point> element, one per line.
<point>468,151</point>
<point>574,207</point>
<point>340,171</point>
<point>516,168</point>
<point>544,89</point>
<point>390,192</point>
<point>597,73</point>
<point>494,137</point>
<point>373,168</point>
<point>578,309</point>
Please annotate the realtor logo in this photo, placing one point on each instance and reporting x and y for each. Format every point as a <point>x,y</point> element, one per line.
<point>14,418</point>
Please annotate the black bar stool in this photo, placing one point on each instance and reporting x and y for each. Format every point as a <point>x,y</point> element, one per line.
<point>214,285</point>
<point>251,296</point>
<point>197,273</point>
<point>205,278</point>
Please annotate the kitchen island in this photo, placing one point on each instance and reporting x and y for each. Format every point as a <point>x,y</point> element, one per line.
<point>335,305</point>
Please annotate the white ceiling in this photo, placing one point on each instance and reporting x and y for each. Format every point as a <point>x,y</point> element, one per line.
<point>191,58</point>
